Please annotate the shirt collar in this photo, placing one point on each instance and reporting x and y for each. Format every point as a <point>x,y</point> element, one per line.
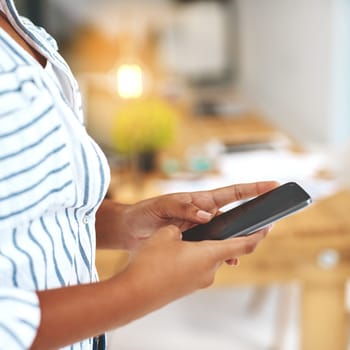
<point>9,8</point>
<point>35,36</point>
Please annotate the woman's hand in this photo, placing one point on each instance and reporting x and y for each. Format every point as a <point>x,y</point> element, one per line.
<point>162,269</point>
<point>165,268</point>
<point>128,225</point>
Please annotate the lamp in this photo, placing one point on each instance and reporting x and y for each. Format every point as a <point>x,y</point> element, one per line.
<point>130,81</point>
<point>131,73</point>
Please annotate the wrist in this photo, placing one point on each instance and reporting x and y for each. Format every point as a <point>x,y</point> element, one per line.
<point>134,296</point>
<point>109,225</point>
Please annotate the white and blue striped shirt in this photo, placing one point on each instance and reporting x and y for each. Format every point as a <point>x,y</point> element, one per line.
<point>52,179</point>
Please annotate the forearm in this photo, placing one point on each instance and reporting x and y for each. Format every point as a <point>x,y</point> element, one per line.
<point>109,224</point>
<point>163,269</point>
<point>74,313</point>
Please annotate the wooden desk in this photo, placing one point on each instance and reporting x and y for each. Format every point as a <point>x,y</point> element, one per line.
<point>311,248</point>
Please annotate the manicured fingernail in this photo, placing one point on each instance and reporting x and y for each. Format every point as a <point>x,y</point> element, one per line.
<point>204,214</point>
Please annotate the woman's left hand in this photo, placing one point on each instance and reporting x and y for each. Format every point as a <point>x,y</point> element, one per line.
<point>137,222</point>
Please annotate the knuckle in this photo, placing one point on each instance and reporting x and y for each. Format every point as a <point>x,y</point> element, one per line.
<point>238,192</point>
<point>183,197</point>
<point>188,208</point>
<point>250,247</point>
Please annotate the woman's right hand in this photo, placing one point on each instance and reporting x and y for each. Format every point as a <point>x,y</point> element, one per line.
<point>162,269</point>
<point>165,268</point>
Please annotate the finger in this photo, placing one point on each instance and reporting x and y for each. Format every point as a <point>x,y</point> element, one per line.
<point>181,207</point>
<point>233,262</point>
<point>170,232</point>
<point>265,230</point>
<point>226,195</point>
<point>226,249</point>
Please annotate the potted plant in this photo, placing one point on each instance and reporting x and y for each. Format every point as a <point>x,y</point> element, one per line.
<point>143,127</point>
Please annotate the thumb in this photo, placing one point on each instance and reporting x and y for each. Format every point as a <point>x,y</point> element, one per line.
<point>186,211</point>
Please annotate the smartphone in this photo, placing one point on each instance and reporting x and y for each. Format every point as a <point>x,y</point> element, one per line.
<point>253,214</point>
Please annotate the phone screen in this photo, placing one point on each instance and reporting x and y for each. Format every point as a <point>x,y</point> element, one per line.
<point>253,214</point>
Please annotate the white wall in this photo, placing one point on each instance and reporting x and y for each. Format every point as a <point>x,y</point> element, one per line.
<point>340,79</point>
<point>292,68</point>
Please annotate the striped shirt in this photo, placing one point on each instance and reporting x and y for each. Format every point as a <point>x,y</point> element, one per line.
<point>52,179</point>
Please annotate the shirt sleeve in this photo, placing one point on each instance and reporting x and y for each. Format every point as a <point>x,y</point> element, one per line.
<point>19,318</point>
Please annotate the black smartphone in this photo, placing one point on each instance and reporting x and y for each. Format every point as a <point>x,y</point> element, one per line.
<point>253,214</point>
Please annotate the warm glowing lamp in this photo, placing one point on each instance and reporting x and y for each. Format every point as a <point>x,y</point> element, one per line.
<point>130,81</point>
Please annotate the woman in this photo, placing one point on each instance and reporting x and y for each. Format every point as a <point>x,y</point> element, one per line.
<point>53,179</point>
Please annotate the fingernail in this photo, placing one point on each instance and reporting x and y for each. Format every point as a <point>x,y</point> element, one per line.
<point>204,214</point>
<point>233,262</point>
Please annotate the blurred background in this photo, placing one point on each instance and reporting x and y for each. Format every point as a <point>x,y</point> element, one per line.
<point>290,59</point>
<point>214,92</point>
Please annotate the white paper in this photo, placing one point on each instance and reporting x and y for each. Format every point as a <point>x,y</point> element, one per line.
<point>276,165</point>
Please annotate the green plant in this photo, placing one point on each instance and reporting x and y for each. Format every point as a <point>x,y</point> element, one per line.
<point>143,125</point>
